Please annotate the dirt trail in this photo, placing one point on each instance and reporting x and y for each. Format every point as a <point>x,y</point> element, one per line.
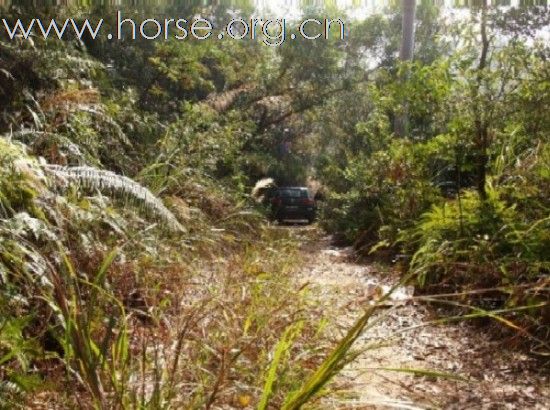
<point>493,377</point>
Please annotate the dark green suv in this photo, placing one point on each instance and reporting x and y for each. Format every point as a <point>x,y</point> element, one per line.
<point>293,203</point>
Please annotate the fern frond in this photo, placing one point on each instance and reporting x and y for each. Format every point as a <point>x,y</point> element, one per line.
<point>102,180</point>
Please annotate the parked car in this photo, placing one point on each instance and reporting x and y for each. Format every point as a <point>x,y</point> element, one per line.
<point>293,203</point>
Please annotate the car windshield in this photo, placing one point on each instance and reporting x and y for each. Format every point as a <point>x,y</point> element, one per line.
<point>293,193</point>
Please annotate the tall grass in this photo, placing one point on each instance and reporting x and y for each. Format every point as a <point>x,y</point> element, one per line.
<point>246,340</point>
<point>281,349</point>
<point>100,363</point>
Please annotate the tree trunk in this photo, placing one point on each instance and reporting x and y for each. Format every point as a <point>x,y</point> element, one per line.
<point>481,126</point>
<point>408,8</point>
<point>407,26</point>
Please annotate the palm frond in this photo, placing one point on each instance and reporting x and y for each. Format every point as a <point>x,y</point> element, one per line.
<point>103,180</point>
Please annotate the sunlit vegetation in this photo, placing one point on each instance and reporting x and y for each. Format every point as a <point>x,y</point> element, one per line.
<point>137,272</point>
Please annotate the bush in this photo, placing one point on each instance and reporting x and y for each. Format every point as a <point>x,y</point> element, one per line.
<point>488,247</point>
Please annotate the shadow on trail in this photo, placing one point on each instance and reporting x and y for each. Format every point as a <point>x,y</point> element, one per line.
<point>295,224</point>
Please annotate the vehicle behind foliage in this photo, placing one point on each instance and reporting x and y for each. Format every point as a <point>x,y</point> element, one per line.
<point>293,203</point>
